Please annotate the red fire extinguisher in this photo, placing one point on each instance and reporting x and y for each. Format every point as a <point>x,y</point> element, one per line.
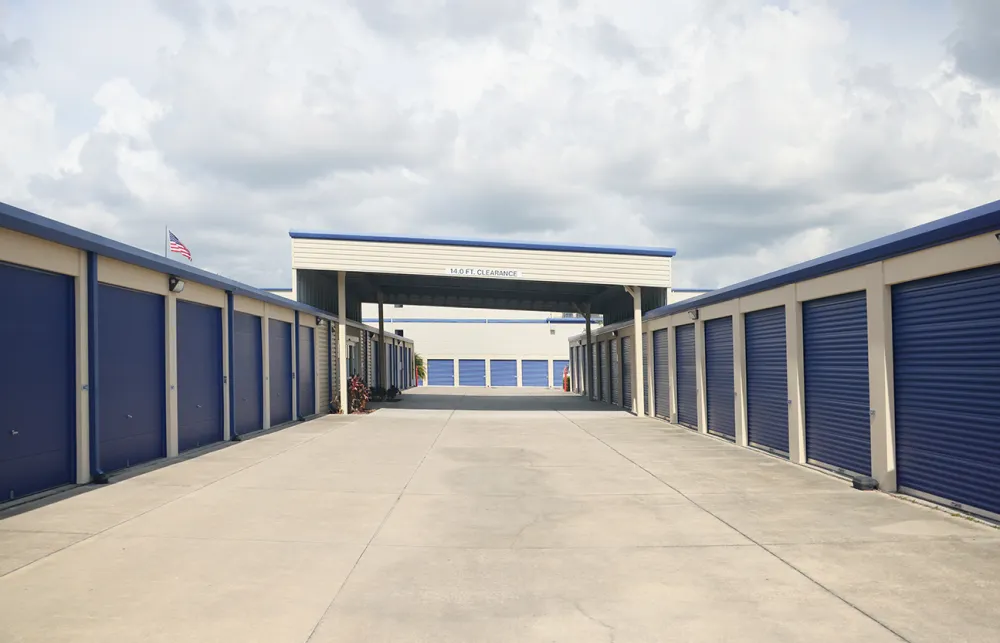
<point>566,379</point>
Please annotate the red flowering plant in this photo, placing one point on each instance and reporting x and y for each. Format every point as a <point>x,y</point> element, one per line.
<point>357,395</point>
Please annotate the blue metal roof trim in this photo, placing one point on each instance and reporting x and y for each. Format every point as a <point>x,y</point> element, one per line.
<point>979,220</point>
<point>692,289</point>
<point>14,218</point>
<point>482,243</point>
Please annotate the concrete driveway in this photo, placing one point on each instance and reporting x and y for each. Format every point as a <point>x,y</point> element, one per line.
<point>492,517</point>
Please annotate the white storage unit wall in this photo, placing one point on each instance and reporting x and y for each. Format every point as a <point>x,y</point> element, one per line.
<point>880,360</point>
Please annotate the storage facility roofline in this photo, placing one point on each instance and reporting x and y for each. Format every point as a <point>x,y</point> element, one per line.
<point>19,220</point>
<point>482,243</point>
<point>979,220</point>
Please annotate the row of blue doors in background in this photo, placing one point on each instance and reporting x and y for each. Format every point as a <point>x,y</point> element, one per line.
<point>128,383</point>
<point>503,372</point>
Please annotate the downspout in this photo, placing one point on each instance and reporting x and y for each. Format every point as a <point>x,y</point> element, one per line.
<point>97,474</point>
<point>230,323</point>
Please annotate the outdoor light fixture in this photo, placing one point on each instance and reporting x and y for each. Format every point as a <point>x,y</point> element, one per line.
<point>319,321</point>
<point>693,314</point>
<point>175,284</point>
<point>614,333</point>
<point>997,235</point>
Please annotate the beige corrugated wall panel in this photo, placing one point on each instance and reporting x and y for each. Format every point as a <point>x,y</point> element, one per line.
<point>25,250</point>
<point>243,304</point>
<point>435,260</point>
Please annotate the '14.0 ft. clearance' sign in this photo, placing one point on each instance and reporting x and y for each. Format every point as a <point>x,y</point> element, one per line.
<point>485,273</point>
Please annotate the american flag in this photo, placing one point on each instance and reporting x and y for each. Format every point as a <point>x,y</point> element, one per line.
<point>177,246</point>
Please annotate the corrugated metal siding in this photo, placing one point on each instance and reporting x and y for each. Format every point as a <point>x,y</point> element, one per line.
<point>627,373</point>
<point>472,372</point>
<point>132,375</point>
<point>247,376</point>
<point>535,265</point>
<point>835,351</point>
<point>558,366</point>
<point>719,381</point>
<point>306,374</point>
<point>441,372</point>
<point>946,347</point>
<point>199,375</point>
<point>279,335</point>
<point>503,372</point>
<point>687,383</point>
<point>616,372</point>
<point>661,372</point>
<point>37,381</point>
<point>767,379</point>
<point>323,367</point>
<point>535,372</point>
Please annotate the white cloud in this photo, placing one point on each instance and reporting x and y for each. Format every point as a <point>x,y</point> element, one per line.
<point>746,134</point>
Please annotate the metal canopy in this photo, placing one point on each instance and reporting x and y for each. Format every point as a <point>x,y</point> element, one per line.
<point>477,274</point>
<point>499,294</point>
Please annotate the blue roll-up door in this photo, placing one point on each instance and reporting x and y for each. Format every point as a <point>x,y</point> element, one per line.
<point>616,372</point>
<point>199,375</point>
<point>767,379</point>
<point>37,381</point>
<point>719,383</point>
<point>131,365</point>
<point>535,372</point>
<point>503,372</point>
<point>946,349</point>
<point>661,372</point>
<point>441,372</point>
<point>687,382</point>
<point>605,374</point>
<point>305,375</point>
<point>558,366</point>
<point>472,372</point>
<point>627,373</point>
<point>646,380</point>
<point>835,351</point>
<point>247,377</point>
<point>279,336</point>
<point>595,379</point>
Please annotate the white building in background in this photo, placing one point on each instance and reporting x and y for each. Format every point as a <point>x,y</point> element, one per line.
<point>529,346</point>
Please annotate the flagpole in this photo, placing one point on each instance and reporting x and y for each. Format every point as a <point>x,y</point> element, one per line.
<point>166,241</point>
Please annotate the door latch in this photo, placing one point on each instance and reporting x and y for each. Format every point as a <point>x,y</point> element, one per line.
<point>14,432</point>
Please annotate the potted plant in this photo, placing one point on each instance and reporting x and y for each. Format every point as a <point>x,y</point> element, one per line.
<point>421,369</point>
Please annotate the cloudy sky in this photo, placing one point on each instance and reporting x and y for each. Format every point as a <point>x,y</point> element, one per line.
<point>748,134</point>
